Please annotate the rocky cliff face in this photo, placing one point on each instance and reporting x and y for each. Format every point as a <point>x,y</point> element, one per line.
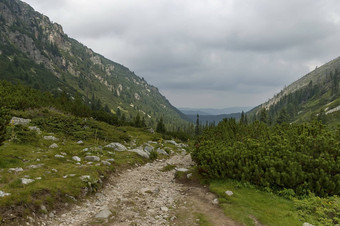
<point>25,33</point>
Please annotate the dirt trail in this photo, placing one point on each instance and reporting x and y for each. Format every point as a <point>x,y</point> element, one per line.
<point>146,196</point>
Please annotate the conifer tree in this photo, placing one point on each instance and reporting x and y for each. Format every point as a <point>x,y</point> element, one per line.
<point>4,119</point>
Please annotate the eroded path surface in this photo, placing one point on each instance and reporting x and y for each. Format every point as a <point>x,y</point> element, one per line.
<point>146,196</point>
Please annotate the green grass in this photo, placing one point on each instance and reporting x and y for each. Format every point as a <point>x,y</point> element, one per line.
<point>203,220</point>
<point>268,208</point>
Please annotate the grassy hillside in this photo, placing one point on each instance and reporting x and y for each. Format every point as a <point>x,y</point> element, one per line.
<point>36,52</point>
<point>314,96</point>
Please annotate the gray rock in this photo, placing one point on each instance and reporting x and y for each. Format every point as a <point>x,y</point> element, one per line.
<point>15,170</point>
<point>3,194</point>
<point>36,129</point>
<point>50,138</point>
<point>104,214</point>
<point>306,224</point>
<point>106,163</point>
<point>229,193</point>
<point>116,146</point>
<point>164,208</point>
<point>43,208</point>
<point>161,151</point>
<point>85,149</point>
<point>54,145</point>
<point>80,142</point>
<point>150,130</point>
<point>35,166</point>
<point>76,158</point>
<point>26,181</point>
<point>215,202</point>
<point>141,152</point>
<point>148,148</point>
<point>92,158</point>
<point>85,178</point>
<point>58,156</point>
<point>51,215</point>
<point>189,175</point>
<point>182,170</point>
<point>110,160</point>
<point>54,170</point>
<point>20,121</point>
<point>171,142</point>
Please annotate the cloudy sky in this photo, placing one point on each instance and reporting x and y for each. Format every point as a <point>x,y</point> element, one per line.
<point>206,53</point>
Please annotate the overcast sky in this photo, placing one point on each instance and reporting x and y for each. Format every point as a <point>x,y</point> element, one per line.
<point>206,53</point>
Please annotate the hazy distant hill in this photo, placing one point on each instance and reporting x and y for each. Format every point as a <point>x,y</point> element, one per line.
<point>213,111</point>
<point>36,52</point>
<point>315,95</point>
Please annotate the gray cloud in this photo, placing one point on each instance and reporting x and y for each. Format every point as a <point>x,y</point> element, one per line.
<point>204,53</point>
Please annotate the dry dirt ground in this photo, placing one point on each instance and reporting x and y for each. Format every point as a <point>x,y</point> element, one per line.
<point>146,196</point>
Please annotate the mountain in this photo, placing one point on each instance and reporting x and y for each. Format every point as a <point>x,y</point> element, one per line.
<point>36,52</point>
<point>314,96</point>
<point>213,111</point>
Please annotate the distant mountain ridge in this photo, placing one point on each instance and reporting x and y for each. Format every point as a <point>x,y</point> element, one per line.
<point>36,52</point>
<point>213,111</point>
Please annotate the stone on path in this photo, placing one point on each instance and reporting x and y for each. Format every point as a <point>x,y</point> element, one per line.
<point>164,208</point>
<point>104,214</point>
<point>215,202</point>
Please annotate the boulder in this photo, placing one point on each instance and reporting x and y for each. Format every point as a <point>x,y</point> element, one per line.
<point>26,181</point>
<point>148,148</point>
<point>116,146</point>
<point>20,121</point>
<point>76,158</point>
<point>54,145</point>
<point>141,152</point>
<point>92,158</point>
<point>50,138</point>
<point>171,142</point>
<point>36,129</point>
<point>161,151</point>
<point>106,163</point>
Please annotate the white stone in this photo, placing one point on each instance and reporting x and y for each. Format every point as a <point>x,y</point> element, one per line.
<point>19,121</point>
<point>141,152</point>
<point>104,214</point>
<point>34,128</point>
<point>85,178</point>
<point>106,163</point>
<point>164,208</point>
<point>229,193</point>
<point>80,142</point>
<point>92,158</point>
<point>116,146</point>
<point>26,181</point>
<point>182,170</point>
<point>85,149</point>
<point>16,170</point>
<point>54,145</point>
<point>215,202</point>
<point>3,194</point>
<point>50,138</point>
<point>189,175</point>
<point>76,158</point>
<point>161,151</point>
<point>59,156</point>
<point>306,224</point>
<point>148,148</point>
<point>110,160</point>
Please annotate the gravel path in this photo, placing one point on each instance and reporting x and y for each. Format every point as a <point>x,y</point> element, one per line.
<point>145,196</point>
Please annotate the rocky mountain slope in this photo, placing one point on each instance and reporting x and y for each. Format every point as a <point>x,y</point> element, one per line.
<point>315,95</point>
<point>37,52</point>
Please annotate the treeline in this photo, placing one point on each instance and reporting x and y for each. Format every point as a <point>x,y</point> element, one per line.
<point>302,158</point>
<point>20,97</point>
